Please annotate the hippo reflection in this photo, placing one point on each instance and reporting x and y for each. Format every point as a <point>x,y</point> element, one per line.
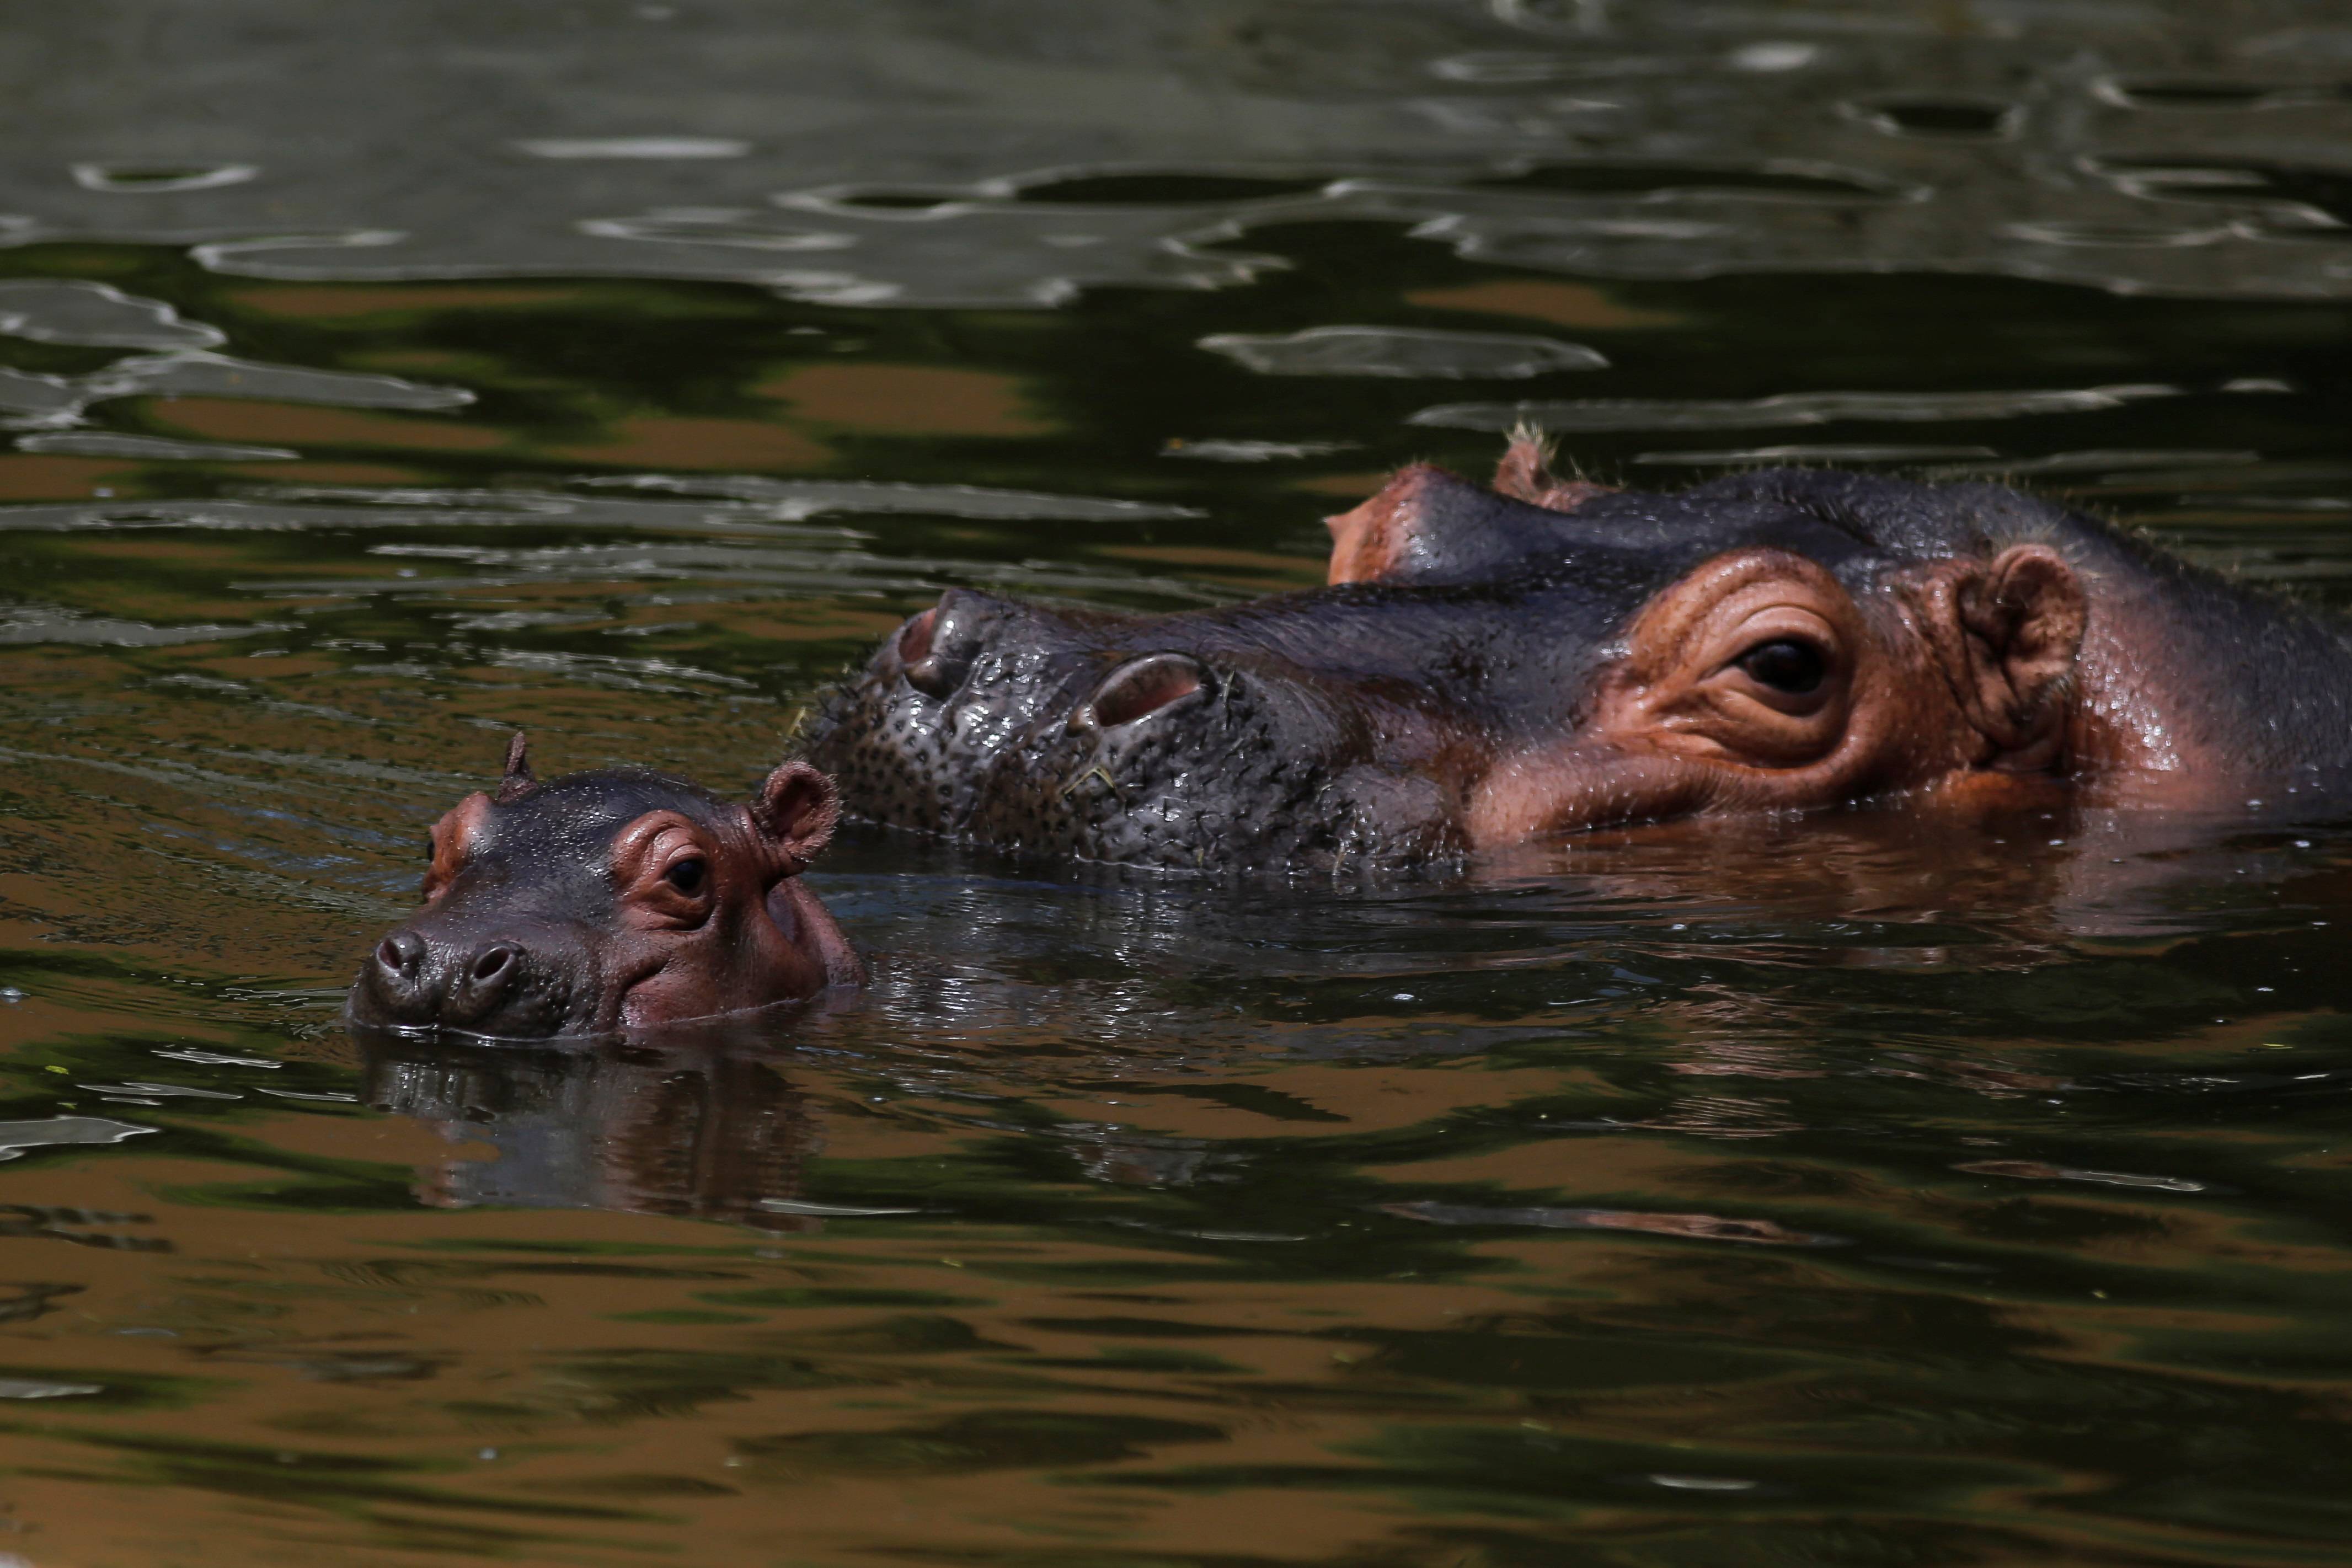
<point>708,1127</point>
<point>612,900</point>
<point>1487,666</point>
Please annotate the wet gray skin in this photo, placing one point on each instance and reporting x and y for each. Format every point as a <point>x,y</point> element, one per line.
<point>1350,724</point>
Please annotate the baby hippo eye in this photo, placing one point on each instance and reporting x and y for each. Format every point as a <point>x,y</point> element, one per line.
<point>687,875</point>
<point>1786,665</point>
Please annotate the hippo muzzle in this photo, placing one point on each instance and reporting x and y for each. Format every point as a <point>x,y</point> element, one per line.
<point>1149,743</point>
<point>475,968</point>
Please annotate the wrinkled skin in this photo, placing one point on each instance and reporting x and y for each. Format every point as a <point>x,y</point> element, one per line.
<point>1489,667</point>
<point>610,901</point>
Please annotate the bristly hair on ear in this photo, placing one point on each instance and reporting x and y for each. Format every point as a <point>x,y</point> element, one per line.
<point>516,781</point>
<point>1528,432</point>
<point>1525,474</point>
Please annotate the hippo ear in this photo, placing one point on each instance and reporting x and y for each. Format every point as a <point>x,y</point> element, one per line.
<point>1427,526</point>
<point>2024,617</point>
<point>795,812</point>
<point>517,780</point>
<point>1525,475</point>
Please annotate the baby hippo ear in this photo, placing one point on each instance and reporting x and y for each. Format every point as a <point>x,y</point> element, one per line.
<point>518,781</point>
<point>794,814</point>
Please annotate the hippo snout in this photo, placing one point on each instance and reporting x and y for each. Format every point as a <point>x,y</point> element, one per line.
<point>1064,732</point>
<point>494,987</point>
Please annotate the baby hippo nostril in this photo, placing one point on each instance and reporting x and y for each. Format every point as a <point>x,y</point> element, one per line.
<point>1141,687</point>
<point>400,955</point>
<point>476,990</point>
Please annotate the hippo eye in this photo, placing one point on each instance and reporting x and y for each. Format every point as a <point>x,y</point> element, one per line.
<point>686,876</point>
<point>1786,666</point>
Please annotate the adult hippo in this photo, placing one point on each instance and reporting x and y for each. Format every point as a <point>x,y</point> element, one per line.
<point>612,900</point>
<point>1485,666</point>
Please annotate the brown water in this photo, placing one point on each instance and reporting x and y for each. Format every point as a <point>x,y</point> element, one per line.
<point>1842,1191</point>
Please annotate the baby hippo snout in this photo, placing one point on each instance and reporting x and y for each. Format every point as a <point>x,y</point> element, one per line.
<point>494,987</point>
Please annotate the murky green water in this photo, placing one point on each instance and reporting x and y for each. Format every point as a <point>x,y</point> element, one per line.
<point>1841,1191</point>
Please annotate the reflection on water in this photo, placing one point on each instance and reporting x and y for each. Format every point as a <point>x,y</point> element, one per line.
<point>1871,1188</point>
<point>908,154</point>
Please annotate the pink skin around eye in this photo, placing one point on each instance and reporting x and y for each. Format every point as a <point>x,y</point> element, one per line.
<point>741,938</point>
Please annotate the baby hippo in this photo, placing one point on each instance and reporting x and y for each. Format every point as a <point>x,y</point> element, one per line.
<point>612,900</point>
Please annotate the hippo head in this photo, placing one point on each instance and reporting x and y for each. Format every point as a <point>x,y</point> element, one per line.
<point>1487,666</point>
<point>610,900</point>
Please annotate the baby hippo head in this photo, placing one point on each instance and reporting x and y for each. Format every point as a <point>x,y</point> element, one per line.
<point>612,900</point>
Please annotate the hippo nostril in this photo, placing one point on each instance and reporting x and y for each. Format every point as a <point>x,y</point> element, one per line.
<point>492,962</point>
<point>936,647</point>
<point>401,954</point>
<point>915,637</point>
<point>1141,687</point>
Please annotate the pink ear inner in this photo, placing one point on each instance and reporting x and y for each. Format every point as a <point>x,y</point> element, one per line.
<point>1368,541</point>
<point>795,812</point>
